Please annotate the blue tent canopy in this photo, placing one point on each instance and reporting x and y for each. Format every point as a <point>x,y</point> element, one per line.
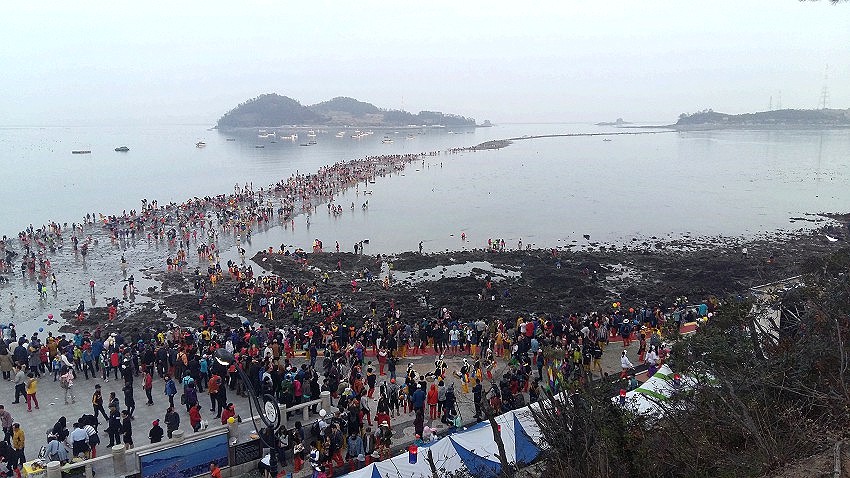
<point>526,449</point>
<point>478,466</point>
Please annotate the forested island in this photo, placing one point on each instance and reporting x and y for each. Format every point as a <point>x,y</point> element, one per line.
<point>273,110</point>
<point>820,118</point>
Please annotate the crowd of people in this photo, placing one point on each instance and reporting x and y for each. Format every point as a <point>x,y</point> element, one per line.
<point>316,348</point>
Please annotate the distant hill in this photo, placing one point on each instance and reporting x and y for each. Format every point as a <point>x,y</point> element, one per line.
<point>273,110</point>
<point>269,110</point>
<point>810,118</point>
<point>346,105</point>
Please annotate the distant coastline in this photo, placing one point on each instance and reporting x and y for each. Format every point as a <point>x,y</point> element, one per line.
<point>773,119</point>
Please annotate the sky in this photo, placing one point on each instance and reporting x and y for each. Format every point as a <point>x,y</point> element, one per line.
<point>157,62</point>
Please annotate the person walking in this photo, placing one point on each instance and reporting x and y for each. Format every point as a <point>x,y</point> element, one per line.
<point>170,391</point>
<point>97,403</point>
<point>129,400</point>
<point>20,383</point>
<point>155,434</point>
<point>195,417</point>
<point>148,386</point>
<point>18,442</point>
<point>213,385</point>
<point>127,429</point>
<point>6,421</point>
<point>172,421</point>
<point>625,364</point>
<point>66,381</point>
<point>32,389</point>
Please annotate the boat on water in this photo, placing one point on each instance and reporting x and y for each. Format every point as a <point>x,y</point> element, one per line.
<point>607,139</point>
<point>200,144</point>
<point>311,134</point>
<point>387,140</point>
<point>259,146</point>
<point>122,149</point>
<point>341,134</point>
<point>81,151</point>
<point>230,139</point>
<point>311,142</point>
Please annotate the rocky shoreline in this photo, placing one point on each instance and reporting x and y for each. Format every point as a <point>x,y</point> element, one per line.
<point>527,282</point>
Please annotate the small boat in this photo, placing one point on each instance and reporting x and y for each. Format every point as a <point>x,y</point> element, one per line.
<point>341,134</point>
<point>606,139</point>
<point>230,139</point>
<point>311,134</point>
<point>122,149</point>
<point>81,151</point>
<point>387,140</point>
<point>200,144</point>
<point>305,144</point>
<point>259,146</point>
<point>311,142</point>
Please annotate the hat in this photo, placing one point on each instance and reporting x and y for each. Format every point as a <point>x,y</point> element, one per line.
<point>323,413</point>
<point>375,454</point>
<point>361,457</point>
<point>622,392</point>
<point>385,424</point>
<point>392,380</point>
<point>155,422</point>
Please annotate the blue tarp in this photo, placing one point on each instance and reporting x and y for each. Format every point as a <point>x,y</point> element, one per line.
<point>526,449</point>
<point>479,467</point>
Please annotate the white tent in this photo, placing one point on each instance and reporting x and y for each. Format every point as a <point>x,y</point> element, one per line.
<point>473,449</point>
<point>658,388</point>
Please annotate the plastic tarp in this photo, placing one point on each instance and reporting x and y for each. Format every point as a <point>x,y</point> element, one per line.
<point>658,388</point>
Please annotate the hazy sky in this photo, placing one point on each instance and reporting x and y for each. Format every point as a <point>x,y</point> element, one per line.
<point>97,62</point>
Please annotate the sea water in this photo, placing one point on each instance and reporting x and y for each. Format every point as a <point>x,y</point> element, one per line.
<point>546,192</point>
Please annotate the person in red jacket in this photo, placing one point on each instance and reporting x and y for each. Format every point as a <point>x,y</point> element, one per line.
<point>229,411</point>
<point>433,396</point>
<point>195,417</point>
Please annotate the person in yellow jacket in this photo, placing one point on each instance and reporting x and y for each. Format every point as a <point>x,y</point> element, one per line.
<point>32,388</point>
<point>18,440</point>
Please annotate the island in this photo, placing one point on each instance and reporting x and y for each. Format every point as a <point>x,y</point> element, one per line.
<point>272,111</point>
<point>786,118</point>
<point>619,122</point>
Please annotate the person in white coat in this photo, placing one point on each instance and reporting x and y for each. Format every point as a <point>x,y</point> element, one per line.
<point>626,364</point>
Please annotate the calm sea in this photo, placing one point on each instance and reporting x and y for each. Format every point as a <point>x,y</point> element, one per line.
<point>548,192</point>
